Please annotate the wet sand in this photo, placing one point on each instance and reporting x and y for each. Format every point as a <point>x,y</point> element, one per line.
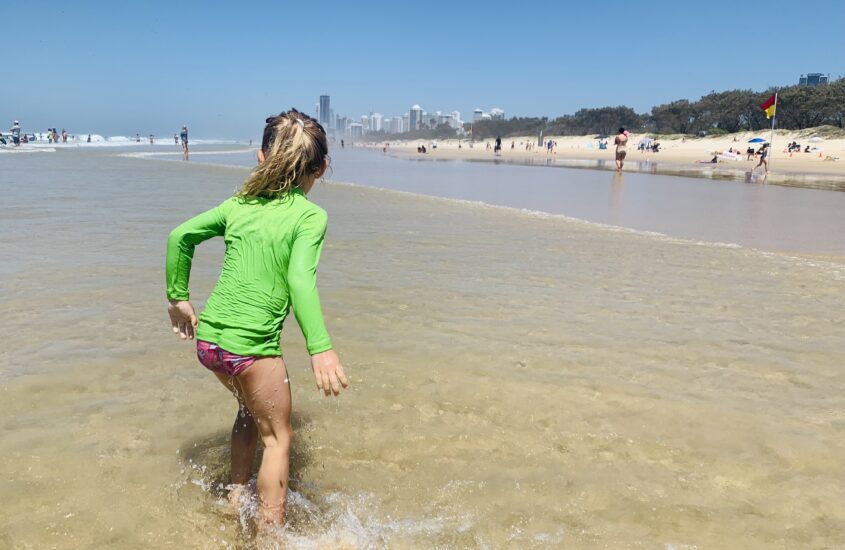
<point>519,381</point>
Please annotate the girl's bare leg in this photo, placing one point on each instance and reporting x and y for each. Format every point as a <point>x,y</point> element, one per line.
<point>244,441</point>
<point>265,390</point>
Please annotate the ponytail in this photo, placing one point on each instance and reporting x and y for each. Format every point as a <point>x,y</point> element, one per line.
<point>295,147</point>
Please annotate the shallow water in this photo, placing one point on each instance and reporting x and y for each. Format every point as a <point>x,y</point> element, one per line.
<point>519,381</point>
<point>768,217</point>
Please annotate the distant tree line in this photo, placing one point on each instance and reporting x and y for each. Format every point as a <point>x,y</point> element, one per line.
<point>799,107</point>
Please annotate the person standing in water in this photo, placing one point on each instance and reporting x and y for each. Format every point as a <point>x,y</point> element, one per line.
<point>621,142</point>
<point>274,236</point>
<point>176,139</point>
<point>16,133</point>
<point>183,135</point>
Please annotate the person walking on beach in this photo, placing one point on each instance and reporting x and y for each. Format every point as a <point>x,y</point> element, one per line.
<point>16,133</point>
<point>274,236</point>
<point>764,157</point>
<point>183,135</point>
<point>621,142</point>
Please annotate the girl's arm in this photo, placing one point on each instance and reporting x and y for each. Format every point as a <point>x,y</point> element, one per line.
<point>180,249</point>
<point>302,280</point>
<point>302,284</point>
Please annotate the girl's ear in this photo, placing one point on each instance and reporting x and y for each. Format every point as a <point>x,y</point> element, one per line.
<point>261,157</point>
<point>322,169</point>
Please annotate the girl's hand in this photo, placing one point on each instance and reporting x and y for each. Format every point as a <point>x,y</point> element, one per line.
<point>183,318</point>
<point>328,372</point>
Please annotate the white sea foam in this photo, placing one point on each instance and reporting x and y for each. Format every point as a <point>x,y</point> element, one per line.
<point>154,154</point>
<point>25,149</point>
<point>338,521</point>
<point>97,140</point>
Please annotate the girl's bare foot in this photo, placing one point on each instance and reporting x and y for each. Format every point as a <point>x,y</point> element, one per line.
<point>236,493</point>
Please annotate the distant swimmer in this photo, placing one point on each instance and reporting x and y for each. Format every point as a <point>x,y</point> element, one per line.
<point>89,139</point>
<point>621,142</point>
<point>183,135</point>
<point>176,139</point>
<point>152,139</point>
<point>64,135</point>
<point>16,133</point>
<point>137,138</point>
<point>341,144</point>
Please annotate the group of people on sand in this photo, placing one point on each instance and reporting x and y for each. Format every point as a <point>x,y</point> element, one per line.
<point>795,147</point>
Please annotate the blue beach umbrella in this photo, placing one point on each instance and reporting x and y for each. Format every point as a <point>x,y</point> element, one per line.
<point>757,140</point>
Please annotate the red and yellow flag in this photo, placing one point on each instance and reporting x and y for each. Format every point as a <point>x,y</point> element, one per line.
<point>769,106</point>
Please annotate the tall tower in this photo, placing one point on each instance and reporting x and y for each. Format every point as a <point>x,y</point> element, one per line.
<point>415,113</point>
<point>325,111</point>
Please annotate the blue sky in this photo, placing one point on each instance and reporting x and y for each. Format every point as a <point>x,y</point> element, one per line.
<point>222,67</point>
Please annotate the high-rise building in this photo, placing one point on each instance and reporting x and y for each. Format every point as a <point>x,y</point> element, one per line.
<point>392,125</point>
<point>324,111</point>
<point>365,123</point>
<point>376,122</point>
<point>477,115</point>
<point>813,79</point>
<point>415,118</point>
<point>355,130</point>
<point>497,114</point>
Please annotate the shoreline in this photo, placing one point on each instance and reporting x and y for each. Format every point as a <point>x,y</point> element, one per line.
<point>676,158</point>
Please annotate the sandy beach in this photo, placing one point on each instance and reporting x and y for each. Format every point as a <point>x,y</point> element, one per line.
<point>677,155</point>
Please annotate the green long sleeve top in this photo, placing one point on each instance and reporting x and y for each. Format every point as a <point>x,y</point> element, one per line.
<point>272,250</point>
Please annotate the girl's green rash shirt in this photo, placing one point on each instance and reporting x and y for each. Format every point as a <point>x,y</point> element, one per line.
<point>272,250</point>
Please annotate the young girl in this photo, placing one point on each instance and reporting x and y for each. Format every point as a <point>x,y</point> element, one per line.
<point>273,240</point>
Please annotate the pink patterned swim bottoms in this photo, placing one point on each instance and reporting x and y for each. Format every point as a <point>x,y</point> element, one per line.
<point>217,359</point>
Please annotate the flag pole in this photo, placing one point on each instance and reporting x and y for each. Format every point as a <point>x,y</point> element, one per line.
<point>772,139</point>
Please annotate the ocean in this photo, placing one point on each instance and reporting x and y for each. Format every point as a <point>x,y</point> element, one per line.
<point>539,357</point>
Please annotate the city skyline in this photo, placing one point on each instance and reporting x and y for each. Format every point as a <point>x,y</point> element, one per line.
<point>415,118</point>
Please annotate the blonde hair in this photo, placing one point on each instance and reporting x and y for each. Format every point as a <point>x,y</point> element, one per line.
<point>294,147</point>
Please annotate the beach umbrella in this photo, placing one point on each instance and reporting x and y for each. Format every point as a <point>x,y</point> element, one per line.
<point>757,140</point>
<point>815,139</point>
